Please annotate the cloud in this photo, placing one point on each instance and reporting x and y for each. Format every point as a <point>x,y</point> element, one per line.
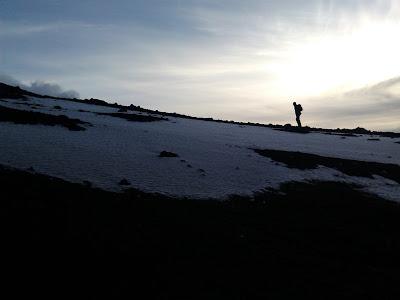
<point>40,87</point>
<point>7,79</point>
<point>51,89</point>
<point>13,29</point>
<point>25,29</point>
<point>386,89</point>
<point>381,97</point>
<point>375,106</point>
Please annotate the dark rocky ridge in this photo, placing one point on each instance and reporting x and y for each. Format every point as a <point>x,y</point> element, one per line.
<point>10,92</point>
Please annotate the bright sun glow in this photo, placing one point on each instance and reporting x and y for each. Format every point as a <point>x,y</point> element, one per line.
<point>344,60</point>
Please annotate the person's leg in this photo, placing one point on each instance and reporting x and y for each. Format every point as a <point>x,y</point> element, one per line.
<point>298,121</point>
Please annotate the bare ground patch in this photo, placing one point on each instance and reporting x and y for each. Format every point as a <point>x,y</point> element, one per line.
<point>134,117</point>
<point>36,118</point>
<point>303,161</point>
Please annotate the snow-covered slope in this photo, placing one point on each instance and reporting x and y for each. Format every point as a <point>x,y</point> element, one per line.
<point>215,159</point>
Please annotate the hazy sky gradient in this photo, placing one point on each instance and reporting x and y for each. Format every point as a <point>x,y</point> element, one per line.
<point>231,59</point>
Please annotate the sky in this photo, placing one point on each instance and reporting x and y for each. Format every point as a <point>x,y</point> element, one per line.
<point>228,59</point>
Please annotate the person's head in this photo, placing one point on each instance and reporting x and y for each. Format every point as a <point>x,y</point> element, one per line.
<point>294,103</point>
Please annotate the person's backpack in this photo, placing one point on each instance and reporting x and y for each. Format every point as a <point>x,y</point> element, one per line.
<point>300,108</point>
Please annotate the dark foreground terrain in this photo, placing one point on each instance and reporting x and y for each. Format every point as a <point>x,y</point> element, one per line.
<point>318,240</point>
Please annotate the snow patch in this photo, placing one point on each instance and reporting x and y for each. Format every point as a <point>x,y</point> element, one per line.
<point>114,148</point>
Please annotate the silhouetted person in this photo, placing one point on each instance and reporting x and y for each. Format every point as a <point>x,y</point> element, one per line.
<point>297,110</point>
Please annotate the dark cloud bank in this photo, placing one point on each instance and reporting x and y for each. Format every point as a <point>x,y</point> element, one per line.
<point>40,87</point>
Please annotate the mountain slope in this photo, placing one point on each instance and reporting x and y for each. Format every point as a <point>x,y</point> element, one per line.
<point>213,160</point>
